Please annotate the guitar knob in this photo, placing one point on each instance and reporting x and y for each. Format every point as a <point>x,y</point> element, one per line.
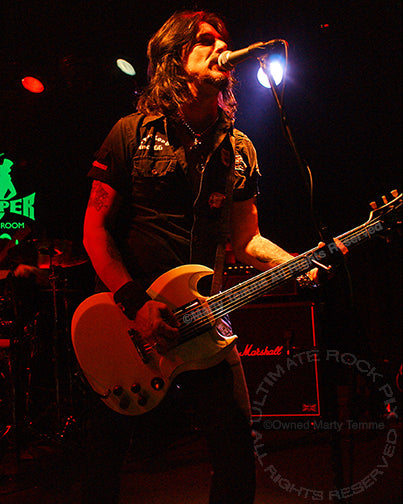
<point>124,402</point>
<point>142,401</point>
<point>385,200</point>
<point>373,205</point>
<point>394,193</point>
<point>135,388</point>
<point>157,383</point>
<point>117,390</point>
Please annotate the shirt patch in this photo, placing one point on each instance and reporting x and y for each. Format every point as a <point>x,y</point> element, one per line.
<point>240,164</point>
<point>159,144</point>
<point>97,164</point>
<point>216,200</point>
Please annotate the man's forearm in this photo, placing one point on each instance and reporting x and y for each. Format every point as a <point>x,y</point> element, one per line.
<point>106,259</point>
<point>262,254</point>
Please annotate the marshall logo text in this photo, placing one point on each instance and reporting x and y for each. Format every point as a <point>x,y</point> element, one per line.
<point>249,351</point>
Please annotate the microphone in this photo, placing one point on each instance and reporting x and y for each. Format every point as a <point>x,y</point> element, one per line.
<point>228,59</point>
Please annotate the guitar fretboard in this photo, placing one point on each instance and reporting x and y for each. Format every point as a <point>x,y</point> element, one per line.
<point>196,317</point>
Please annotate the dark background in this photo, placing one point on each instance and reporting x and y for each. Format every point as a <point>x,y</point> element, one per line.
<point>343,100</point>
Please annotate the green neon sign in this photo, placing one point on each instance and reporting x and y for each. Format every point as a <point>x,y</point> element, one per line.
<point>19,206</point>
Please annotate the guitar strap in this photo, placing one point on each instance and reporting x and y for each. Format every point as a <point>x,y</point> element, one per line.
<point>219,263</point>
<point>240,390</point>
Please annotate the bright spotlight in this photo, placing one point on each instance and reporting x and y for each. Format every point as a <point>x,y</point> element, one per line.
<point>276,71</point>
<point>32,84</point>
<point>125,66</point>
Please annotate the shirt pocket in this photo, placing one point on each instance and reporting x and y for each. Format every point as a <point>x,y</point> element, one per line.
<point>155,183</point>
<point>153,166</point>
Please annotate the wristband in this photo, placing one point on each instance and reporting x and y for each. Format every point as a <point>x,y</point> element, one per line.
<point>130,298</point>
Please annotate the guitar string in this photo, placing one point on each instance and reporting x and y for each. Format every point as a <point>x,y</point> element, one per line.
<point>198,322</point>
<point>290,272</point>
<point>230,305</point>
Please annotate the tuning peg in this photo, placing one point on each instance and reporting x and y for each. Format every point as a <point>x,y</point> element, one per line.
<point>394,193</point>
<point>373,205</point>
<point>385,200</point>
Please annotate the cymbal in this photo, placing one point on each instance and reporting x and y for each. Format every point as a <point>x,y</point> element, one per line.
<point>46,253</point>
<point>64,262</point>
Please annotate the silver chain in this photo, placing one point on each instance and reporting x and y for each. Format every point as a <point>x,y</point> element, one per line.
<point>196,136</point>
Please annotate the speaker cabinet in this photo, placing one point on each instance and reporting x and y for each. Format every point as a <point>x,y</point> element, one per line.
<point>277,344</point>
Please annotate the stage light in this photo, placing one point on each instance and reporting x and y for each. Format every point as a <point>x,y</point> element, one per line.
<point>276,71</point>
<point>32,84</point>
<point>125,67</point>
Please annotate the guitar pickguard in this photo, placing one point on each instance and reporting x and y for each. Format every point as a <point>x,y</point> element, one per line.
<point>103,342</point>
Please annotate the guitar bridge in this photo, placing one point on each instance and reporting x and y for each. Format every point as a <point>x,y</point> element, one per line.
<point>140,347</point>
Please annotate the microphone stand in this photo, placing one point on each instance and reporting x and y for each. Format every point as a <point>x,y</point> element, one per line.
<point>53,277</point>
<point>302,163</point>
<point>335,440</point>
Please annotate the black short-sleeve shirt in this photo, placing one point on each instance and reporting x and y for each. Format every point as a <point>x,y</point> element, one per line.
<point>164,221</point>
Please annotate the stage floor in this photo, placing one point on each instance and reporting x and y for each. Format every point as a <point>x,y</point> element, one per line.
<point>293,467</point>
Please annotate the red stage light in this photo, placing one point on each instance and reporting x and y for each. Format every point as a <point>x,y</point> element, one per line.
<point>33,85</point>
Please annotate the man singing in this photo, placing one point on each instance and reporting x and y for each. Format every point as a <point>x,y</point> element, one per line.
<point>171,183</point>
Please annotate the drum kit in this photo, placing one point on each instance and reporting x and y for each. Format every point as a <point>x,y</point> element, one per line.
<point>41,283</point>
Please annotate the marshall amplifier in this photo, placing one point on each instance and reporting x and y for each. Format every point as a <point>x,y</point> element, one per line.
<point>277,344</point>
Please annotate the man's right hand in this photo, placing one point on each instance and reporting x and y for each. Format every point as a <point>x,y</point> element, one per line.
<point>157,326</point>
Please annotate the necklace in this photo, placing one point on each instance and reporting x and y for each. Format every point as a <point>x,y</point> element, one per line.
<point>197,137</point>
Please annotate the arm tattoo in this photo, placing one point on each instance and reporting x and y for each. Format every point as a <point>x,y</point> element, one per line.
<point>260,253</point>
<point>98,196</point>
<point>268,252</point>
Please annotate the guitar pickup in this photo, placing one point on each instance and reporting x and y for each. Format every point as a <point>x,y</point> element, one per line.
<point>195,318</point>
<point>140,347</point>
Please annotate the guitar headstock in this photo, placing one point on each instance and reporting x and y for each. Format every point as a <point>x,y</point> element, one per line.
<point>389,214</point>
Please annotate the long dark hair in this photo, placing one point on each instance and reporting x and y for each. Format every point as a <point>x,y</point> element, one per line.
<point>167,89</point>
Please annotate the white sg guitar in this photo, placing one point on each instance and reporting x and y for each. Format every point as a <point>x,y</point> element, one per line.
<point>131,377</point>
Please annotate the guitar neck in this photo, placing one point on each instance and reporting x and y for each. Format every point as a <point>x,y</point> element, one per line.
<point>253,288</point>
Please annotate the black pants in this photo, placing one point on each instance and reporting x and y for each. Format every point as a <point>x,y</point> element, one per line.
<point>208,395</point>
